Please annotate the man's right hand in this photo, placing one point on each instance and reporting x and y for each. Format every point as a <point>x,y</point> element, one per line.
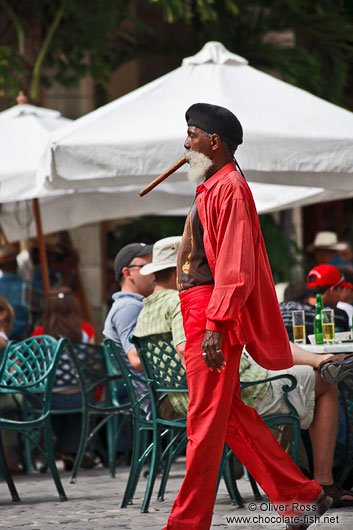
<point>212,350</point>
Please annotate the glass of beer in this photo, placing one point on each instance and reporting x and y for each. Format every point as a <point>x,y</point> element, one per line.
<point>298,322</point>
<point>328,325</point>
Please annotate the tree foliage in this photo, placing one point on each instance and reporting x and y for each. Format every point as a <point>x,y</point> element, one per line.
<point>283,253</point>
<point>309,43</point>
<point>64,40</point>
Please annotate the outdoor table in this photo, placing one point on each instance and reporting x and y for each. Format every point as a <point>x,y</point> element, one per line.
<point>340,347</point>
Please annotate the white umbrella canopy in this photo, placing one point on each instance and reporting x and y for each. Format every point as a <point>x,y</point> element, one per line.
<point>63,211</point>
<point>76,208</point>
<point>24,134</point>
<point>290,136</point>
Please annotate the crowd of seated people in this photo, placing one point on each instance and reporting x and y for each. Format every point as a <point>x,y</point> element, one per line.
<point>315,400</point>
<point>325,280</point>
<point>148,303</point>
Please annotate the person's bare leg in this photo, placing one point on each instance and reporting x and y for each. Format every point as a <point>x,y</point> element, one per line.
<point>323,430</point>
<point>301,356</point>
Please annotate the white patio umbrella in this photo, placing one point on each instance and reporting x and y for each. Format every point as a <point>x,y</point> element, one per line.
<point>103,159</point>
<point>290,136</point>
<point>24,133</point>
<point>28,209</point>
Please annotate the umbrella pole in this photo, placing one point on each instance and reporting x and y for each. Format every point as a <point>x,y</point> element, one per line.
<point>41,246</point>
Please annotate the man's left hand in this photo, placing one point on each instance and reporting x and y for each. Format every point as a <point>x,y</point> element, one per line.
<point>212,350</point>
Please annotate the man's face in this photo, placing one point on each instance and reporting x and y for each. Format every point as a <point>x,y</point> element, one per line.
<point>324,255</point>
<point>143,284</point>
<point>198,140</point>
<point>346,295</point>
<point>198,153</point>
<point>332,295</point>
<point>346,254</point>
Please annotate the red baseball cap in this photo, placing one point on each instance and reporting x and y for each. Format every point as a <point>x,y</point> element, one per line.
<point>326,276</point>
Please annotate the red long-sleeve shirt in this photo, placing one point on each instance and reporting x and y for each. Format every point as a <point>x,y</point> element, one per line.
<point>244,300</point>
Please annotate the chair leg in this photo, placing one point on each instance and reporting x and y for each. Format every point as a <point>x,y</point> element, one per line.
<point>139,447</point>
<point>226,469</point>
<point>7,475</point>
<point>171,456</point>
<point>48,445</point>
<point>27,455</point>
<point>155,461</point>
<point>231,484</point>
<point>82,445</point>
<point>221,466</point>
<point>114,429</point>
<point>254,488</point>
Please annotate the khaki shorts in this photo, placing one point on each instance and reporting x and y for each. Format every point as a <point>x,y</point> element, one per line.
<point>302,397</point>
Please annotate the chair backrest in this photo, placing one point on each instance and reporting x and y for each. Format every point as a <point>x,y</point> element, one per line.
<point>88,359</point>
<point>139,403</point>
<point>91,365</point>
<point>285,425</point>
<point>161,362</point>
<point>29,366</point>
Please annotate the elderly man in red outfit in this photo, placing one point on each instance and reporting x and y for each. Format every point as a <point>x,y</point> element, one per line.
<point>228,300</point>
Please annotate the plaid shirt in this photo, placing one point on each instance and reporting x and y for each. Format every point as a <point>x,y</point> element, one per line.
<point>161,314</point>
<point>250,371</point>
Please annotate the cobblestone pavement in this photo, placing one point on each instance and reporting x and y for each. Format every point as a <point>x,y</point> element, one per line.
<point>94,503</point>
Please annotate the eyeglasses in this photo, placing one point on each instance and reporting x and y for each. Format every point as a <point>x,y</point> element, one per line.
<point>134,266</point>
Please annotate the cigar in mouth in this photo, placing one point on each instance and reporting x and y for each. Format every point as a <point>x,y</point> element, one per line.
<point>162,177</point>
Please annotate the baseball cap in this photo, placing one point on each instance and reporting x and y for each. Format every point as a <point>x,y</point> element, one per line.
<point>164,255</point>
<point>127,254</point>
<point>325,275</point>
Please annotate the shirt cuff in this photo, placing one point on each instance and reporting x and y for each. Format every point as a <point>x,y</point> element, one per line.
<point>214,326</point>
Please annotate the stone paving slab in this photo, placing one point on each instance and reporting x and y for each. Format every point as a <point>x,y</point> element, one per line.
<point>94,504</point>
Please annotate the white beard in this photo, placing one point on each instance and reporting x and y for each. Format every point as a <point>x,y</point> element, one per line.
<point>199,164</point>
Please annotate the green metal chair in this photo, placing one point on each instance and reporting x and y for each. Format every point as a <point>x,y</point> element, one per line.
<point>142,425</point>
<point>289,419</point>
<point>165,373</point>
<point>28,368</point>
<point>276,422</point>
<point>91,369</point>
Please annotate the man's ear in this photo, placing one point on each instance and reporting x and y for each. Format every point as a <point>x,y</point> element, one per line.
<point>215,142</point>
<point>126,272</point>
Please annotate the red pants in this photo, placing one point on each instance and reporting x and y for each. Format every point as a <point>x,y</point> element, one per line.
<point>217,415</point>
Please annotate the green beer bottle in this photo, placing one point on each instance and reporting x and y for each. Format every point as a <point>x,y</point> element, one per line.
<point>319,337</point>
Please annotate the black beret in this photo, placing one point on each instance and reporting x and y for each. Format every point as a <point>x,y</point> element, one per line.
<point>216,120</point>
